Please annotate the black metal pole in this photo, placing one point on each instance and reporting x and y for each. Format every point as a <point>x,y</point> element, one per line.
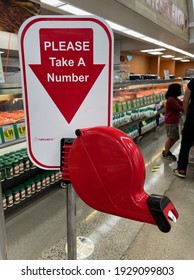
<point>71,223</point>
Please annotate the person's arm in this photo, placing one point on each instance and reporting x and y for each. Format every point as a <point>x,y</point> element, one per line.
<point>186,100</point>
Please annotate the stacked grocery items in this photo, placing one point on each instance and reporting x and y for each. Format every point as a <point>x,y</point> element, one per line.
<point>16,164</point>
<point>26,189</point>
<point>136,109</point>
<point>132,131</point>
<point>134,114</point>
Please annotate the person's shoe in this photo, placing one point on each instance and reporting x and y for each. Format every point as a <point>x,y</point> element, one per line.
<point>169,155</point>
<point>172,156</point>
<point>180,173</point>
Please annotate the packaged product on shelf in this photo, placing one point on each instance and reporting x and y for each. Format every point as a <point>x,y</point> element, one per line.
<point>9,198</point>
<point>8,169</point>
<point>60,175</point>
<point>33,186</point>
<point>145,100</point>
<point>16,195</point>
<point>38,185</point>
<point>16,169</point>
<point>32,165</point>
<point>119,107</point>
<point>114,107</point>
<point>141,101</point>
<point>21,164</point>
<point>28,188</point>
<point>124,105</point>
<point>6,156</point>
<point>129,106</point>
<point>26,163</point>
<point>22,192</point>
<point>56,176</point>
<point>2,172</point>
<point>137,102</point>
<point>4,201</point>
<point>48,180</point>
<point>134,103</point>
<point>52,177</point>
<point>43,180</point>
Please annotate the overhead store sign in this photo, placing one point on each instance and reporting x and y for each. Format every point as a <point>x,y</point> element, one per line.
<point>66,66</point>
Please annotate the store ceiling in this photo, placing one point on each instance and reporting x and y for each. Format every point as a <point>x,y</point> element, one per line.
<point>135,46</point>
<point>118,13</point>
<point>128,43</point>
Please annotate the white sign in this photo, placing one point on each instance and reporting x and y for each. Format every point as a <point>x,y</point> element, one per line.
<point>66,66</point>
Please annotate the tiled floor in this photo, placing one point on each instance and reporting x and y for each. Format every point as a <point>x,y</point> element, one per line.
<point>38,231</point>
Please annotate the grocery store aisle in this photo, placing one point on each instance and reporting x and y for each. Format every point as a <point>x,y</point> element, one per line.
<point>38,231</point>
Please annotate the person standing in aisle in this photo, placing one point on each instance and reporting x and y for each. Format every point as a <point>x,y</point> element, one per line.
<point>188,131</point>
<point>174,107</point>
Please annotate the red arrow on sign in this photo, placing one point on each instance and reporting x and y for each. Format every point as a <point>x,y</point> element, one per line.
<point>67,71</point>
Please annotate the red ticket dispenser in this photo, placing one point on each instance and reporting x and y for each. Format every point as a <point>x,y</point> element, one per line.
<point>107,171</point>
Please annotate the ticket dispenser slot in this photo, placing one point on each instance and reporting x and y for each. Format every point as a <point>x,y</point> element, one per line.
<point>107,171</point>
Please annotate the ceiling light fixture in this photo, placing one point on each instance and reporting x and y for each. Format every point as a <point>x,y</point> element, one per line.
<point>155,53</point>
<point>185,60</point>
<point>115,26</point>
<point>177,58</point>
<point>168,56</point>
<point>73,10</point>
<point>54,3</point>
<point>153,50</point>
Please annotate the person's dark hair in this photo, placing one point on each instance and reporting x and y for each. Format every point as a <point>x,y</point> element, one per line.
<point>174,90</point>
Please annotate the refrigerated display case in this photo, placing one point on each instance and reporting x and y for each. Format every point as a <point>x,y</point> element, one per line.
<point>138,106</point>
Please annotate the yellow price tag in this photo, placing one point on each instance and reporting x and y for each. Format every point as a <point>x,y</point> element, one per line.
<point>8,133</point>
<point>144,123</point>
<point>21,130</point>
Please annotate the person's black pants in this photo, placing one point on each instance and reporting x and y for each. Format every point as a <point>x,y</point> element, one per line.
<point>186,144</point>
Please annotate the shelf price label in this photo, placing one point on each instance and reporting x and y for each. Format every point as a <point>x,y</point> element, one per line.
<point>8,133</point>
<point>21,129</point>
